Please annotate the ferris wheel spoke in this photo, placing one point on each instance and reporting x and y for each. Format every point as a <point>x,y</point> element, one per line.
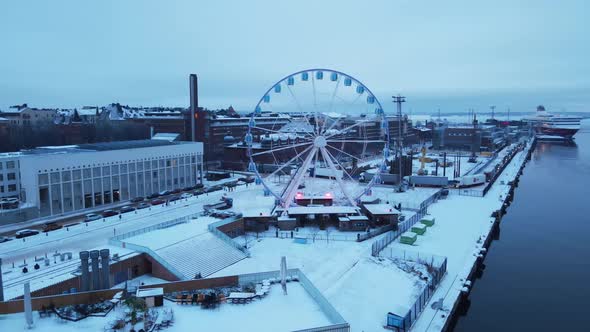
<point>291,188</point>
<point>354,141</point>
<point>333,125</point>
<point>358,123</point>
<point>300,110</point>
<point>339,164</point>
<point>331,102</point>
<point>280,149</point>
<point>315,172</point>
<point>338,179</point>
<point>288,162</point>
<point>346,153</point>
<point>315,104</point>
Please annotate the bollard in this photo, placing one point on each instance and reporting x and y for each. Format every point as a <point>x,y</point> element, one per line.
<point>86,224</point>
<point>47,234</point>
<point>67,229</point>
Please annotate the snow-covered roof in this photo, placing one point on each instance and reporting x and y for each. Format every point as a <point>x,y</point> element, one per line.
<point>170,137</point>
<point>380,209</point>
<point>148,292</point>
<point>409,234</point>
<point>300,210</point>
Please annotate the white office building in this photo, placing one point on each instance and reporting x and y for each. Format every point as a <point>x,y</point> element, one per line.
<point>63,179</point>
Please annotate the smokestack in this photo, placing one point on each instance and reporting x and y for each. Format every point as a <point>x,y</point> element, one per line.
<point>28,305</point>
<point>85,280</point>
<point>95,275</point>
<point>194,91</point>
<point>104,259</point>
<point>1,286</point>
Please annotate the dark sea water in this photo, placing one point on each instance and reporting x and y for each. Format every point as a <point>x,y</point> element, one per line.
<point>536,276</point>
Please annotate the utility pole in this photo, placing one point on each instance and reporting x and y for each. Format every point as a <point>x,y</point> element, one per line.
<point>492,108</point>
<point>399,100</point>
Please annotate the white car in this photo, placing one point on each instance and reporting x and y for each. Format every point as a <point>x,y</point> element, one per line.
<point>186,195</point>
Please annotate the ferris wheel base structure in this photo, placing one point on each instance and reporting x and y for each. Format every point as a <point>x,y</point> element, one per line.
<point>334,123</point>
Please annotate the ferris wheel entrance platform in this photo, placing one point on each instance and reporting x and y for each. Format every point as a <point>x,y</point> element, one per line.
<point>320,210</point>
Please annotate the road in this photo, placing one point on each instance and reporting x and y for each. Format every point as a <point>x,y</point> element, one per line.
<point>96,233</point>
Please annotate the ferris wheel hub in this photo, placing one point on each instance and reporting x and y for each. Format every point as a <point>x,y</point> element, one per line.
<point>320,142</point>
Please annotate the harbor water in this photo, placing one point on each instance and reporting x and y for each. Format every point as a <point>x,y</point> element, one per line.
<point>536,274</point>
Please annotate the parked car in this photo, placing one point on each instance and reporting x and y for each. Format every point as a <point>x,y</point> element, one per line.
<point>26,232</point>
<point>72,224</point>
<point>154,195</point>
<point>92,217</point>
<point>9,203</point>
<point>109,213</point>
<point>176,191</point>
<point>199,186</point>
<point>4,239</point>
<point>213,188</point>
<point>248,179</point>
<point>143,205</point>
<point>137,200</point>
<point>186,195</point>
<point>51,226</point>
<point>188,188</point>
<point>173,198</point>
<point>199,191</point>
<point>164,193</point>
<point>157,201</point>
<point>127,208</point>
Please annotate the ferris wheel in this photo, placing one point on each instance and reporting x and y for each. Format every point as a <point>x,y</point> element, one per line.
<point>310,134</point>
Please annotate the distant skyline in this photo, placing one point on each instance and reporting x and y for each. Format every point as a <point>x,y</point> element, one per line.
<point>452,55</point>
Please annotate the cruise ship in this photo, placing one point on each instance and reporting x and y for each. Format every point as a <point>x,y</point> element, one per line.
<point>554,126</point>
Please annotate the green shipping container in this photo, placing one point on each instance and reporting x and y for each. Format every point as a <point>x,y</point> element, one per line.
<point>428,222</point>
<point>419,228</point>
<point>408,238</point>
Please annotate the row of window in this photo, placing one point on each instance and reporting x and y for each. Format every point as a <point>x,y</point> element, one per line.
<point>9,177</point>
<point>140,164</point>
<point>11,164</point>
<point>96,172</point>
<point>9,188</point>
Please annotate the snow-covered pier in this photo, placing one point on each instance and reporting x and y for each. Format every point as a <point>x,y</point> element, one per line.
<point>463,232</point>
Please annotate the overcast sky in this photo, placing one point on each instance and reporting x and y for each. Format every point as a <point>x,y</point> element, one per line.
<point>450,54</point>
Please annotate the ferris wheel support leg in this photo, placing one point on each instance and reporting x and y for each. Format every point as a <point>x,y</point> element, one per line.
<point>338,179</point>
<point>291,189</point>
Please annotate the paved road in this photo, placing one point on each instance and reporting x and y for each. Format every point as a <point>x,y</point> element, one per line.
<point>96,233</point>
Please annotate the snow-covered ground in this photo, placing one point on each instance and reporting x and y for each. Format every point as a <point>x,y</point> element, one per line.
<point>361,288</point>
<point>344,272</point>
<point>275,312</point>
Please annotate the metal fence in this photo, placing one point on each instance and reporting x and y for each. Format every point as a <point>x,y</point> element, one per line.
<point>338,322</point>
<point>213,228</point>
<point>321,236</point>
<point>148,229</point>
<point>403,323</point>
<point>379,244</point>
<point>468,192</point>
<point>367,235</point>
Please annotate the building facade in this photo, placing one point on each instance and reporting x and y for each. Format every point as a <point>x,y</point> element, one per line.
<point>9,175</point>
<point>63,179</point>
